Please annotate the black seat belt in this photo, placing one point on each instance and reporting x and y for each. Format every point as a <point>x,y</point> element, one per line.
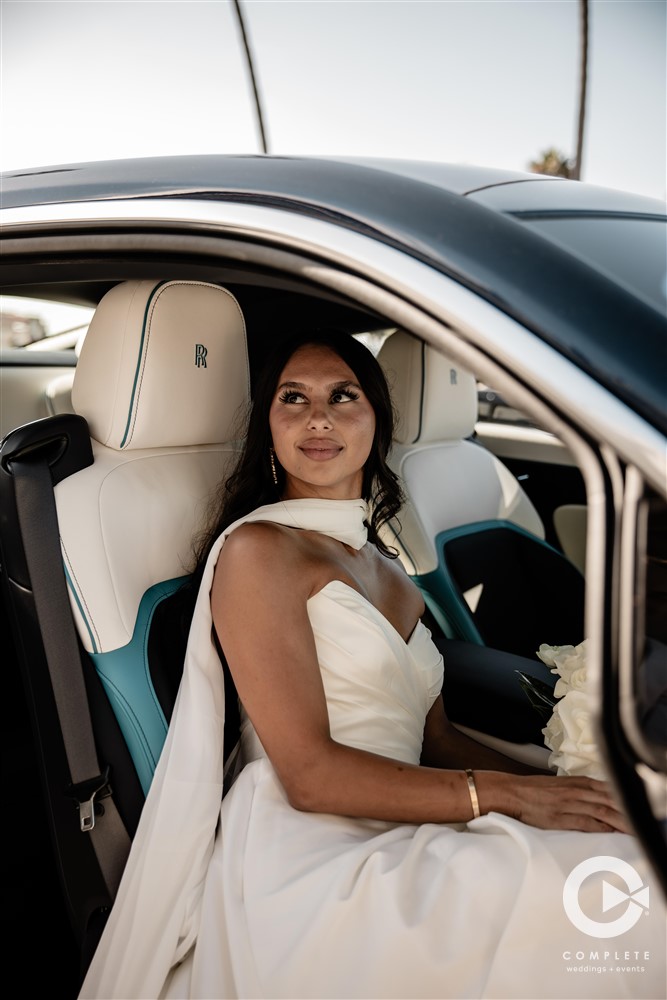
<point>40,536</point>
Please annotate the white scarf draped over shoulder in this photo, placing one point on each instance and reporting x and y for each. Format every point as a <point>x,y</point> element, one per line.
<point>154,919</point>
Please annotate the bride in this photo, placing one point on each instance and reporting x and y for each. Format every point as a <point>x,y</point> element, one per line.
<point>366,849</point>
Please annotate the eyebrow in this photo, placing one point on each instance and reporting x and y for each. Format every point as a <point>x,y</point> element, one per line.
<point>332,385</point>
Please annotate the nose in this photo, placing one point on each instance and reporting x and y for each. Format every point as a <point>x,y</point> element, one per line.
<point>319,417</point>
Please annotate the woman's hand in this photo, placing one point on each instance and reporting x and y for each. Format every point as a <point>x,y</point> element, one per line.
<point>552,803</point>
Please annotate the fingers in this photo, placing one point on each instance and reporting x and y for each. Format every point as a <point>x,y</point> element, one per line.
<point>598,821</point>
<point>603,806</point>
<point>616,820</point>
<point>565,803</point>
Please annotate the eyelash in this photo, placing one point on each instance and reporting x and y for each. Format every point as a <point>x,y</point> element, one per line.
<point>290,395</point>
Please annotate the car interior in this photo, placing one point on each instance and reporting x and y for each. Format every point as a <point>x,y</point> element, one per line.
<point>470,536</point>
<point>108,479</point>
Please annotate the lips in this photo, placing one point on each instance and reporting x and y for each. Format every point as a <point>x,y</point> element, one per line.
<point>320,451</point>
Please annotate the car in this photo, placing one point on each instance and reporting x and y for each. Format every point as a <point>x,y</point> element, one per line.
<point>522,322</point>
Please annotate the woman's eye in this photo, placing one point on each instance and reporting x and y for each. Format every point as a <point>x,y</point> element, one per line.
<point>292,397</point>
<point>343,396</point>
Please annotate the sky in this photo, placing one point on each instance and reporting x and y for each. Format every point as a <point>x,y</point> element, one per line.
<point>491,82</point>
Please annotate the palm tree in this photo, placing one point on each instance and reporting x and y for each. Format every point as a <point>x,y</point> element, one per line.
<point>253,76</point>
<point>552,161</point>
<point>583,80</point>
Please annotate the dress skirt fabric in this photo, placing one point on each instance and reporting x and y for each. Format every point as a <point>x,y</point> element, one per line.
<point>254,899</point>
<point>312,906</point>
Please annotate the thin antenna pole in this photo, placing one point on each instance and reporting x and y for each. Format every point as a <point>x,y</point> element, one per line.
<point>251,70</point>
<point>583,80</point>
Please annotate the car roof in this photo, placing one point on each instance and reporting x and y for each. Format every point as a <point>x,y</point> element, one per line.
<point>331,180</point>
<point>464,221</point>
<point>209,173</point>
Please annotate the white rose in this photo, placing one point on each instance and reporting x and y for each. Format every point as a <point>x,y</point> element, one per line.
<point>577,753</point>
<point>576,679</point>
<point>569,662</point>
<point>569,732</point>
<point>553,732</point>
<point>548,653</point>
<point>575,766</point>
<point>574,711</point>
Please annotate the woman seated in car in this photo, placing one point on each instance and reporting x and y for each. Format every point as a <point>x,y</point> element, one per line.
<point>366,848</point>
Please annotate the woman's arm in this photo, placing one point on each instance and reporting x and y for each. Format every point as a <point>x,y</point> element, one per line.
<point>263,580</point>
<point>445,746</point>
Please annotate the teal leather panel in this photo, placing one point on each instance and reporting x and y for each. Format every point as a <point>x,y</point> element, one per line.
<point>441,592</point>
<point>126,678</point>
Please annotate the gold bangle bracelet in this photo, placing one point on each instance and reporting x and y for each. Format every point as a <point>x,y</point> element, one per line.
<point>472,789</point>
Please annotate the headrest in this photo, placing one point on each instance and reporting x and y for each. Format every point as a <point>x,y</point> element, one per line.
<point>436,399</point>
<point>164,364</point>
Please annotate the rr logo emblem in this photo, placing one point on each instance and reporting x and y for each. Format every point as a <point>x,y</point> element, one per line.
<point>200,356</point>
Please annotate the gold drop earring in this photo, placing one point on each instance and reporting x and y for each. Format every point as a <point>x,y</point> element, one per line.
<point>274,472</point>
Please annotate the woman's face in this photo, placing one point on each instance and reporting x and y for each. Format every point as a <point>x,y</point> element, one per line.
<point>322,426</point>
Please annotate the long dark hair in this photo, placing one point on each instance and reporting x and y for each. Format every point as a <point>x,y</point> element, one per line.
<point>251,484</point>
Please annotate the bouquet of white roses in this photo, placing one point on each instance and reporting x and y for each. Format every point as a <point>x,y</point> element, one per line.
<point>569,732</point>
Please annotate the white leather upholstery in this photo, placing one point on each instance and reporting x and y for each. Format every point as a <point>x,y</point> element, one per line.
<point>571,522</point>
<point>155,368</point>
<point>435,398</point>
<point>449,481</point>
<point>162,428</point>
<point>58,394</point>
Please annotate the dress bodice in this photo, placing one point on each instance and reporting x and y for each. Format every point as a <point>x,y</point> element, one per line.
<point>379,688</point>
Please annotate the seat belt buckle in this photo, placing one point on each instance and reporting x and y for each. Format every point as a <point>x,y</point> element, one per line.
<point>86,794</point>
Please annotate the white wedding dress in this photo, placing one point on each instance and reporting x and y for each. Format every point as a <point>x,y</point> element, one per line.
<point>259,900</point>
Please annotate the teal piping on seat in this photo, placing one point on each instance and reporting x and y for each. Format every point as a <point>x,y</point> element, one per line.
<point>139,359</point>
<point>442,593</point>
<point>77,600</point>
<point>126,678</point>
<point>434,605</point>
<point>447,604</point>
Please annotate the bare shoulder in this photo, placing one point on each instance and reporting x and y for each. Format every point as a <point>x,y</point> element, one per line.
<point>257,544</point>
<point>263,552</point>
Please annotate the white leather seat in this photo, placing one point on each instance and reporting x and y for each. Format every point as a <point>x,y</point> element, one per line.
<point>449,480</point>
<point>571,525</point>
<point>469,534</point>
<point>161,380</point>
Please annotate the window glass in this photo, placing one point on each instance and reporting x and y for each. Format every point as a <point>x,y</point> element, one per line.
<point>650,599</point>
<point>631,251</point>
<point>492,407</point>
<point>39,324</point>
<point>374,339</point>
<point>655,575</point>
